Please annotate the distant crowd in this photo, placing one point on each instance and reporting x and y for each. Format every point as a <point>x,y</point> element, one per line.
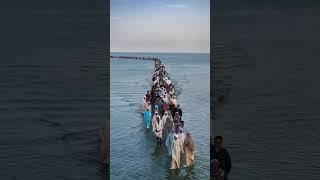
<point>163,113</point>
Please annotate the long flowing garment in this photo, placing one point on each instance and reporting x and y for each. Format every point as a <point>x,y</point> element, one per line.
<point>176,151</point>
<point>147,118</point>
<point>158,129</point>
<point>154,121</point>
<point>182,137</point>
<point>169,142</point>
<point>189,150</point>
<point>168,126</point>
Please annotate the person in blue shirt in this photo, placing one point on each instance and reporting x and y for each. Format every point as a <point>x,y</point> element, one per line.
<point>147,117</point>
<point>169,141</point>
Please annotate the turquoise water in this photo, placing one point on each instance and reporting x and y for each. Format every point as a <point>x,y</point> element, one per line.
<point>132,146</point>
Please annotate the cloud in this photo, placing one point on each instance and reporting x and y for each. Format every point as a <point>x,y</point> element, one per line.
<point>176,5</point>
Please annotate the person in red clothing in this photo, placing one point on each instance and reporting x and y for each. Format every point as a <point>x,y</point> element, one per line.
<point>164,106</point>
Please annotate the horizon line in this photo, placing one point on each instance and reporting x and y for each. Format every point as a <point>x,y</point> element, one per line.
<point>158,52</point>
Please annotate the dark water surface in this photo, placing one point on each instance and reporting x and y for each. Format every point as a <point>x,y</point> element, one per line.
<point>133,154</point>
<point>52,89</point>
<point>266,60</point>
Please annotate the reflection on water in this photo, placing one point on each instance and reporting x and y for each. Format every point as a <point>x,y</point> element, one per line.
<point>132,146</point>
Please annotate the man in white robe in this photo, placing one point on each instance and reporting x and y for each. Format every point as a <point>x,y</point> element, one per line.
<point>157,129</point>
<point>181,136</point>
<point>154,118</point>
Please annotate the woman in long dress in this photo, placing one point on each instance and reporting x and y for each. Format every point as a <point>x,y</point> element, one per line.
<point>188,149</point>
<point>168,125</point>
<point>176,151</point>
<point>169,141</point>
<point>182,137</point>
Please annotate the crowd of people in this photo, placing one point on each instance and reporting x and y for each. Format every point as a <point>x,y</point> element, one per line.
<point>163,114</point>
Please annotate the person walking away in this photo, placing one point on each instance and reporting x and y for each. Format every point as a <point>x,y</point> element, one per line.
<point>169,141</point>
<point>176,121</point>
<point>171,108</point>
<point>163,106</point>
<point>182,137</point>
<point>147,117</point>
<point>179,110</point>
<point>220,153</point>
<point>188,148</point>
<point>154,118</point>
<point>176,151</point>
<point>148,106</point>
<point>157,129</point>
<point>144,105</point>
<point>168,124</point>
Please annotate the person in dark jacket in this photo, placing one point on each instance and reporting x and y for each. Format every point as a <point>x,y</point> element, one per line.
<point>179,111</point>
<point>221,154</point>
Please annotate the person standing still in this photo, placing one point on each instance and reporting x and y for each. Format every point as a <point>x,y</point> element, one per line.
<point>222,155</point>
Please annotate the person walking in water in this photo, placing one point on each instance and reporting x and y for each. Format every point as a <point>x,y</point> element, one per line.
<point>168,124</point>
<point>147,117</point>
<point>169,141</point>
<point>176,151</point>
<point>222,155</point>
<point>177,121</point>
<point>157,129</point>
<point>188,148</point>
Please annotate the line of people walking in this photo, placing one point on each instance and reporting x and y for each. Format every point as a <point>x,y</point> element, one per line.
<point>163,114</point>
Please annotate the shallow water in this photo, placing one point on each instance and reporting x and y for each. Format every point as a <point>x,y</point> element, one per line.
<point>268,65</point>
<point>52,91</point>
<point>132,146</point>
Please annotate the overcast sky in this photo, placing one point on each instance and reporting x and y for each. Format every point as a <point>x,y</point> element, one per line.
<point>160,26</point>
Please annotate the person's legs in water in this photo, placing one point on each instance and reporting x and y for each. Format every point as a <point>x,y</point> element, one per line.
<point>148,123</point>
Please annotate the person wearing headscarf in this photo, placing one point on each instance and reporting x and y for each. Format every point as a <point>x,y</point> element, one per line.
<point>148,106</point>
<point>171,108</point>
<point>176,121</point>
<point>181,136</point>
<point>173,100</point>
<point>188,149</point>
<point>169,141</point>
<point>165,98</point>
<point>144,105</point>
<point>154,118</point>
<point>147,117</point>
<point>164,118</point>
<point>163,107</point>
<point>168,125</point>
<point>178,109</point>
<point>155,108</point>
<point>157,130</point>
<point>176,151</point>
